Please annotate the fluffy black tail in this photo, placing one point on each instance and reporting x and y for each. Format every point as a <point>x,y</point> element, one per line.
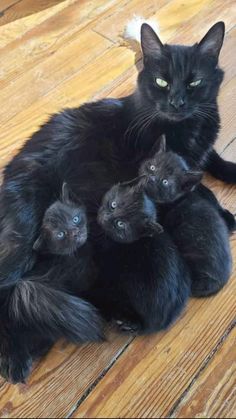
<point>54,312</point>
<point>220,168</point>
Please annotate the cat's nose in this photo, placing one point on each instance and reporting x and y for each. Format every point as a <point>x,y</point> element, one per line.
<point>177,102</point>
<point>75,233</point>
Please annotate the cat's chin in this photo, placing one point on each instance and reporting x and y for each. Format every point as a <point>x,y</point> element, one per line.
<point>174,117</point>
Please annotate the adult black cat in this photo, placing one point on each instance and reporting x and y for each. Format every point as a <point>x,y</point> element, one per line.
<point>99,144</point>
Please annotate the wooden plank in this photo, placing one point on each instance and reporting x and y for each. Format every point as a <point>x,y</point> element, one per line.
<point>16,9</point>
<point>60,379</point>
<point>17,30</point>
<point>154,371</point>
<point>177,19</point>
<point>44,41</point>
<point>73,92</point>
<point>213,395</point>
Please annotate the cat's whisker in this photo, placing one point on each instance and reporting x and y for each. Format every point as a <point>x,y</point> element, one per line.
<point>134,124</point>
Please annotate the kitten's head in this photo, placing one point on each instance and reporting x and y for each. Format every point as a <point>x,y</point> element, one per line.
<point>179,82</point>
<point>168,176</point>
<point>127,214</point>
<point>64,227</point>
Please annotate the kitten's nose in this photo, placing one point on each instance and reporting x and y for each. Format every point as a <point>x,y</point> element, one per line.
<point>75,233</point>
<point>177,102</point>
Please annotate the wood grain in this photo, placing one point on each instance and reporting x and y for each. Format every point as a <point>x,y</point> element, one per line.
<point>60,379</point>
<point>153,373</point>
<point>213,394</point>
<point>62,53</point>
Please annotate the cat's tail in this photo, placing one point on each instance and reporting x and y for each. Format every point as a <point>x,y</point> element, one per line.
<point>34,304</point>
<point>220,168</point>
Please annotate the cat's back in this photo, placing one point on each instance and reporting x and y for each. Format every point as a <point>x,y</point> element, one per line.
<point>196,221</point>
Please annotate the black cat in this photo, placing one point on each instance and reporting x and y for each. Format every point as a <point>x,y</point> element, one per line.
<point>127,214</point>
<point>42,306</point>
<point>99,144</point>
<point>194,223</point>
<point>149,285</point>
<point>64,227</point>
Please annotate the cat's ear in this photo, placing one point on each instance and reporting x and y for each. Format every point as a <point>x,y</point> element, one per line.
<point>212,42</point>
<point>190,180</point>
<point>152,228</point>
<point>65,193</point>
<point>150,42</point>
<point>160,145</point>
<point>38,244</point>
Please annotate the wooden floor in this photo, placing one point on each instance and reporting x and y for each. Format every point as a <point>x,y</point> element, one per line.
<point>55,54</point>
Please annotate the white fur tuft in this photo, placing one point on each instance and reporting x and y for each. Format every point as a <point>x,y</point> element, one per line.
<point>133,28</point>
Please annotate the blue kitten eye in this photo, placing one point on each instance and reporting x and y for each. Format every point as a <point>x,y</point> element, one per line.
<point>120,224</point>
<point>76,219</point>
<point>60,234</point>
<point>152,168</point>
<point>165,182</point>
<point>113,205</point>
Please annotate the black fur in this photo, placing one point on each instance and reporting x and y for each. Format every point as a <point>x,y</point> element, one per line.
<point>64,227</point>
<point>99,144</point>
<point>145,296</point>
<point>195,224</point>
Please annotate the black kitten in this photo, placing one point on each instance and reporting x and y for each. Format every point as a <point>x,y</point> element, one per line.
<point>127,214</point>
<point>145,297</point>
<point>194,223</point>
<point>64,227</point>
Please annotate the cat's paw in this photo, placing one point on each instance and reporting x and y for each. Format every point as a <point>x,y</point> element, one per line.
<point>15,370</point>
<point>127,326</point>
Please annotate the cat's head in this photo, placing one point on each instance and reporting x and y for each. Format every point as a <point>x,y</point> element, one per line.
<point>64,227</point>
<point>168,176</point>
<point>179,82</point>
<point>127,214</point>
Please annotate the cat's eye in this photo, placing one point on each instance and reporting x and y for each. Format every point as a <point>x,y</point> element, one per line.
<point>161,83</point>
<point>152,168</point>
<point>165,182</point>
<point>120,224</point>
<point>60,235</point>
<point>195,83</point>
<point>76,219</point>
<point>113,204</point>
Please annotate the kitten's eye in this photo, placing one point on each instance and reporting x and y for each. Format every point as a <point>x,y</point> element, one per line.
<point>113,204</point>
<point>152,168</point>
<point>161,83</point>
<point>195,83</point>
<point>76,219</point>
<point>60,234</point>
<point>120,224</point>
<point>165,182</point>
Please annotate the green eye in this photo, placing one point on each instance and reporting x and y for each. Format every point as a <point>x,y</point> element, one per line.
<point>161,83</point>
<point>195,83</point>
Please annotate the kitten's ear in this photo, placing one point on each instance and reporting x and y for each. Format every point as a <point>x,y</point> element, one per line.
<point>212,42</point>
<point>190,180</point>
<point>65,193</point>
<point>133,182</point>
<point>159,145</point>
<point>150,42</point>
<point>154,228</point>
<point>38,243</point>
